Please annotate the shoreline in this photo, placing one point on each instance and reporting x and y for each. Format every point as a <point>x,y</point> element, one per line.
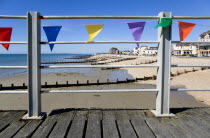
<point>182,81</point>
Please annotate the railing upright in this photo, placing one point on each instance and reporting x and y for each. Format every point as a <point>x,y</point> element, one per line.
<point>164,69</point>
<point>34,69</point>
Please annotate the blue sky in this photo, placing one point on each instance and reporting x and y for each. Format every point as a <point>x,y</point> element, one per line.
<point>110,32</point>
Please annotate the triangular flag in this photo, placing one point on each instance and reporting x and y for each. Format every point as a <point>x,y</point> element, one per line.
<point>5,35</point>
<point>93,30</point>
<point>52,33</point>
<point>137,29</point>
<point>164,22</point>
<point>185,29</point>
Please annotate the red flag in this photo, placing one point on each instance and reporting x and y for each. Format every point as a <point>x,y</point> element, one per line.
<point>5,35</point>
<point>185,29</point>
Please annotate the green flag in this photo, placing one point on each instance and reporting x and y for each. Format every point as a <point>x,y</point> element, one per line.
<point>164,22</point>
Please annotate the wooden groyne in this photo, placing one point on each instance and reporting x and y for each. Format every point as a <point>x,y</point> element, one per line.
<point>136,63</point>
<point>112,61</point>
<point>93,61</point>
<point>88,83</point>
<point>98,82</point>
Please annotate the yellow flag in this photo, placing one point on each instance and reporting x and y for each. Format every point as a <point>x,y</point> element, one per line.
<point>93,30</point>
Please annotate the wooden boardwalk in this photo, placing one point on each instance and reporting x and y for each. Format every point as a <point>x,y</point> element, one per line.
<point>76,123</point>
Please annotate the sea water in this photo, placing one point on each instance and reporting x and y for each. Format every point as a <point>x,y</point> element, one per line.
<point>21,60</point>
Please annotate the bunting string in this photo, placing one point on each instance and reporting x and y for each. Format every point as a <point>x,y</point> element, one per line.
<point>93,30</point>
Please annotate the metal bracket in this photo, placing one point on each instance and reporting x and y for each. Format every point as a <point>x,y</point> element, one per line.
<point>40,117</point>
<point>162,115</point>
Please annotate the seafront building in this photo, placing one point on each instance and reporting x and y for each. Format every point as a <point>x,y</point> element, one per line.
<point>184,49</point>
<point>199,50</point>
<point>145,50</point>
<point>204,49</point>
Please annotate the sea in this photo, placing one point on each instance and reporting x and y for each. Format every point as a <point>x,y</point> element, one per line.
<point>21,60</point>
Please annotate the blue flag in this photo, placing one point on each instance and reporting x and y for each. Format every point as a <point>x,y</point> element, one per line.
<point>52,33</point>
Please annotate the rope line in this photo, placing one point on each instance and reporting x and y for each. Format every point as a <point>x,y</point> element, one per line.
<point>103,23</point>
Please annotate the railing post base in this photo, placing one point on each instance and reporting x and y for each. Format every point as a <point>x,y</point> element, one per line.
<point>162,115</point>
<point>40,117</point>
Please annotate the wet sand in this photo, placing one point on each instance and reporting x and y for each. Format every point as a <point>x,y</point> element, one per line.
<point>134,100</point>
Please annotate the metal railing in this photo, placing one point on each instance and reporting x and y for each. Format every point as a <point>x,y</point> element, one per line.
<point>34,65</point>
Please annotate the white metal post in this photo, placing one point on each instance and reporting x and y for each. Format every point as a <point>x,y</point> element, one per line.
<point>34,70</point>
<point>164,69</point>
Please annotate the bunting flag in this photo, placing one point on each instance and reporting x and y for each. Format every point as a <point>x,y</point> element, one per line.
<point>164,22</point>
<point>93,30</point>
<point>137,29</point>
<point>5,35</point>
<point>52,33</point>
<point>185,29</point>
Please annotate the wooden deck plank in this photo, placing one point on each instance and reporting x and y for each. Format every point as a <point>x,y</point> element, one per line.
<point>78,125</point>
<point>174,129</point>
<point>196,123</point>
<point>12,129</point>
<point>9,118</point>
<point>61,128</point>
<point>124,124</point>
<point>3,115</point>
<point>46,127</point>
<point>158,129</point>
<point>94,124</point>
<point>200,116</point>
<point>189,127</point>
<point>109,125</point>
<point>206,110</point>
<point>203,114</point>
<point>140,125</point>
<point>28,129</point>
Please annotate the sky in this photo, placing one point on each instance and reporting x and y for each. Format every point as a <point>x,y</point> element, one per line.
<point>110,32</point>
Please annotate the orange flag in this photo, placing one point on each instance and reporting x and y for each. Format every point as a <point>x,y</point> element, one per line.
<point>185,29</point>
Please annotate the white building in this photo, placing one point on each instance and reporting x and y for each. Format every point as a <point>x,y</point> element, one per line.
<point>184,49</point>
<point>204,49</point>
<point>145,50</point>
<point>205,36</point>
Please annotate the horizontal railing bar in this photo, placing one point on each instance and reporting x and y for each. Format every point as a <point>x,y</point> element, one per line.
<point>103,42</point>
<point>80,66</point>
<point>13,92</point>
<point>12,17</point>
<point>187,42</point>
<point>191,17</point>
<point>97,42</point>
<point>96,91</point>
<point>122,17</point>
<point>13,67</point>
<point>174,89</point>
<point>100,17</point>
<point>99,66</point>
<point>12,42</point>
<point>190,65</point>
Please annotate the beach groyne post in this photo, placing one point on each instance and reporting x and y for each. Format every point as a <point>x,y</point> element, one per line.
<point>34,66</point>
<point>164,69</point>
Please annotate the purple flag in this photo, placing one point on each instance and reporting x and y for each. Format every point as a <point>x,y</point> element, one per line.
<point>137,30</point>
